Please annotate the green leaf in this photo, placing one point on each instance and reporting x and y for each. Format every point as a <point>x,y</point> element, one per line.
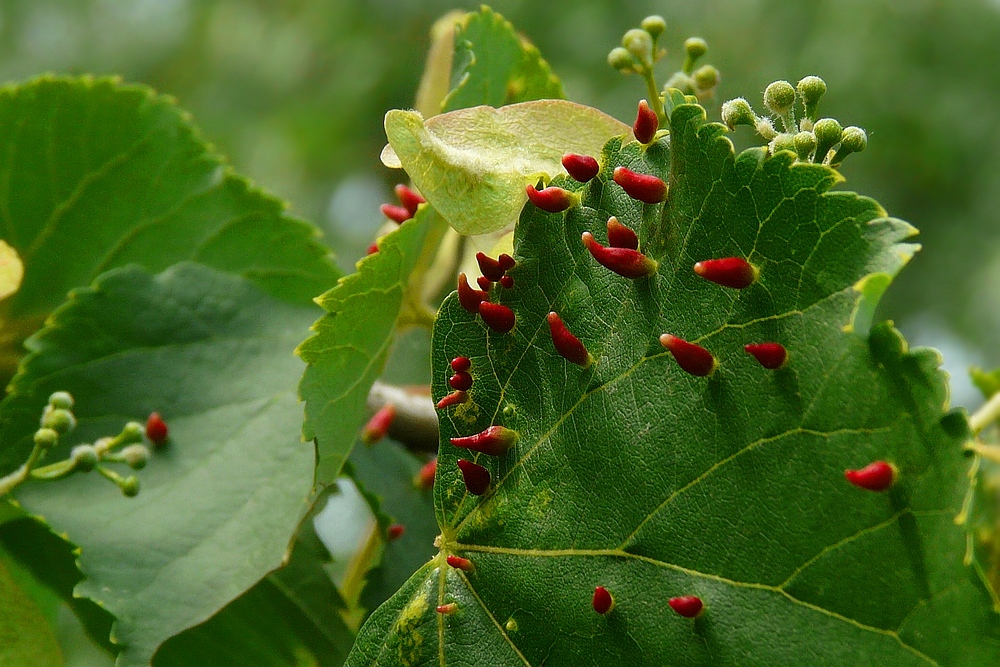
<point>493,65</point>
<point>988,382</point>
<point>473,164</point>
<point>26,638</point>
<point>352,341</point>
<point>633,475</point>
<point>221,501</point>
<point>97,174</point>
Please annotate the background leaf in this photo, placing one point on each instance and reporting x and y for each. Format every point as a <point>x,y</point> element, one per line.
<point>26,638</point>
<point>221,501</point>
<point>633,475</point>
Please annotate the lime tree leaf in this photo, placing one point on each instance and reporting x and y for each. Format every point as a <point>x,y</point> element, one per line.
<point>351,343</point>
<point>95,174</point>
<point>493,65</point>
<point>220,502</point>
<point>633,475</point>
<point>26,638</point>
<point>473,164</point>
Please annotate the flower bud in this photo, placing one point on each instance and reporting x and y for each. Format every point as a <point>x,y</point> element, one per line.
<point>681,82</point>
<point>805,144</point>
<point>706,78</point>
<point>136,456</point>
<point>59,420</point>
<point>621,59</point>
<point>828,133</point>
<point>853,140</point>
<point>765,128</point>
<point>130,486</point>
<point>782,142</point>
<point>131,432</point>
<point>84,457</point>
<point>695,47</point>
<point>640,44</point>
<point>61,399</point>
<point>779,97</point>
<point>811,88</point>
<point>46,438</point>
<point>654,25</point>
<point>738,112</point>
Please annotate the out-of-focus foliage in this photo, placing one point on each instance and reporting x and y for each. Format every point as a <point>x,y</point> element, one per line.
<point>295,93</point>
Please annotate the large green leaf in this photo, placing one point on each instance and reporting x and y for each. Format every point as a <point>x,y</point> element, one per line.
<point>633,475</point>
<point>220,503</point>
<point>96,174</point>
<point>26,637</point>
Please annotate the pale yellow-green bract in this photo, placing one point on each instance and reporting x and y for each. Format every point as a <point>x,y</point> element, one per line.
<point>11,270</point>
<point>473,164</point>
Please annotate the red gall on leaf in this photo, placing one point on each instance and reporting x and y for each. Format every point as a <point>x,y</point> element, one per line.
<point>733,272</point>
<point>447,609</point>
<point>378,425</point>
<point>581,168</point>
<point>460,563</point>
<point>646,123</point>
<point>469,298</point>
<point>477,478</point>
<point>647,189</point>
<point>156,429</point>
<point>626,262</point>
<point>394,532</point>
<point>507,282</point>
<point>461,381</point>
<point>494,441</point>
<point>484,283</point>
<point>424,479</point>
<point>692,358</point>
<point>497,317</point>
<point>552,199</point>
<point>770,355</point>
<point>409,199</point>
<point>490,267</point>
<point>876,476</point>
<point>459,364</point>
<point>688,606</point>
<point>372,249</point>
<point>603,602</point>
<point>566,344</point>
<point>620,236</point>
<point>454,398</point>
<point>506,262</point>
<point>397,214</point>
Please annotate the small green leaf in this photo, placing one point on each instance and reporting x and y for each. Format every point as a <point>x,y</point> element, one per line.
<point>26,637</point>
<point>988,382</point>
<point>473,164</point>
<point>220,502</point>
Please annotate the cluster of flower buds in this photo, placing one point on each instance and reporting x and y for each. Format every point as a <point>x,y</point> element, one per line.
<point>700,82</point>
<point>792,123</point>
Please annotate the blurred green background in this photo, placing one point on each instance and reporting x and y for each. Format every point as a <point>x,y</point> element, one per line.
<point>294,93</point>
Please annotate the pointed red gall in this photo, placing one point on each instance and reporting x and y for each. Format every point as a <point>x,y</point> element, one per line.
<point>876,476</point>
<point>395,531</point>
<point>378,425</point>
<point>459,364</point>
<point>494,441</point>
<point>490,267</point>
<point>507,282</point>
<point>397,214</point>
<point>568,345</point>
<point>770,355</point>
<point>506,262</point>
<point>688,606</point>
<point>156,429</point>
<point>645,188</point>
<point>581,168</point>
<point>461,381</point>
<point>484,283</point>
<point>372,249</point>
<point>460,563</point>
<point>409,199</point>
<point>469,297</point>
<point>646,123</point>
<point>692,358</point>
<point>620,236</point>
<point>454,398</point>
<point>552,199</point>
<point>497,317</point>
<point>603,602</point>
<point>425,477</point>
<point>733,272</point>
<point>447,609</point>
<point>623,261</point>
<point>477,478</point>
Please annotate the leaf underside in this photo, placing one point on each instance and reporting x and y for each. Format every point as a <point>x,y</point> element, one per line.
<point>635,476</point>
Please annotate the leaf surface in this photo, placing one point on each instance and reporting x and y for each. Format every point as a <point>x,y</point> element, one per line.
<point>26,638</point>
<point>633,475</point>
<point>221,501</point>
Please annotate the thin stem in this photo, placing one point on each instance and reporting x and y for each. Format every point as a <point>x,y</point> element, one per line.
<point>10,482</point>
<point>988,413</point>
<point>654,95</point>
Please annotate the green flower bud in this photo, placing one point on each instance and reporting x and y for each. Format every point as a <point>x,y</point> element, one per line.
<point>621,59</point>
<point>681,82</point>
<point>84,458</point>
<point>136,456</point>
<point>639,44</point>
<point>46,438</point>
<point>654,25</point>
<point>782,142</point>
<point>828,133</point>
<point>58,419</point>
<point>738,112</point>
<point>130,486</point>
<point>61,399</point>
<point>779,97</point>
<point>695,47</point>
<point>853,140</point>
<point>805,144</point>
<point>811,88</point>
<point>765,128</point>
<point>706,77</point>
<point>132,432</point>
